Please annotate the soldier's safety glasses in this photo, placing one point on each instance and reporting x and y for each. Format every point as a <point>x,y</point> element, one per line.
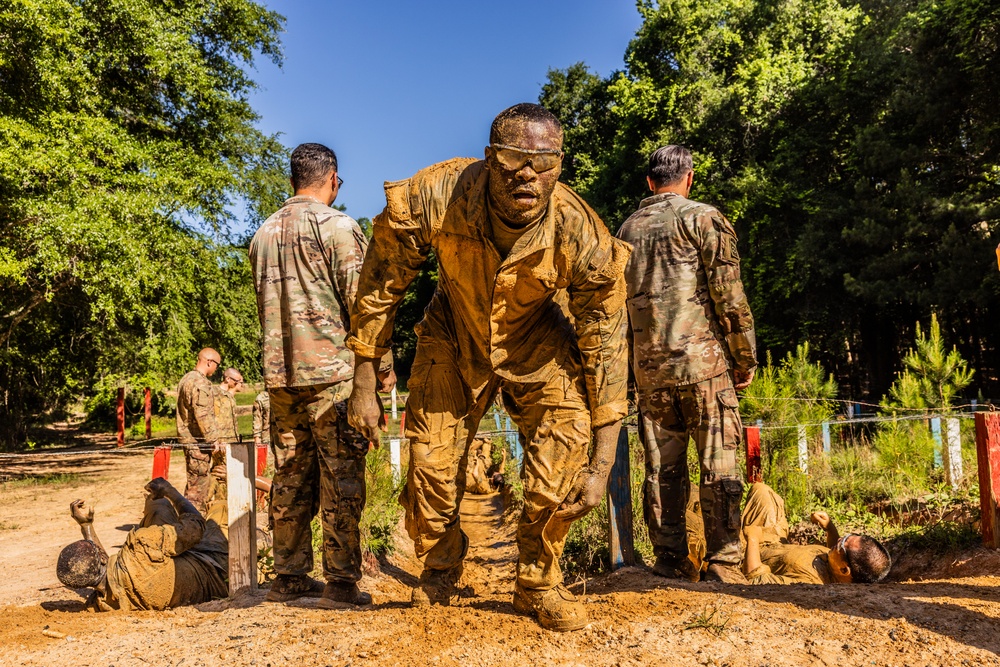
<point>514,158</point>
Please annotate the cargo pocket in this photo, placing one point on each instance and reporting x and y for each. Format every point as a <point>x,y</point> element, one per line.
<point>729,415</point>
<point>732,489</point>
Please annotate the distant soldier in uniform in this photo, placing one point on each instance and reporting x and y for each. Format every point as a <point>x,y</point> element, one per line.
<point>197,427</point>
<point>175,557</point>
<point>262,420</point>
<point>225,404</point>
<point>692,341</point>
<point>529,302</point>
<point>306,259</point>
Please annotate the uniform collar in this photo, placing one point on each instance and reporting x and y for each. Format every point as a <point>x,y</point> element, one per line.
<point>656,199</point>
<point>299,199</point>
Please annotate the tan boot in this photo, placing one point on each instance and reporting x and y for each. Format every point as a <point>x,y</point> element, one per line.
<point>436,587</point>
<point>671,568</point>
<point>556,608</point>
<point>727,573</point>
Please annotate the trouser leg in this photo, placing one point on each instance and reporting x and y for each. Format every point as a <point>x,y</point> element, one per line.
<point>766,509</point>
<point>666,490</point>
<point>342,452</point>
<point>295,487</point>
<point>198,464</point>
<point>554,417</point>
<point>717,436</point>
<point>436,413</point>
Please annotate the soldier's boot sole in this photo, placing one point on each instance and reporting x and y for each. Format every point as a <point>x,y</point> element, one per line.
<point>338,595</point>
<point>305,587</point>
<point>556,609</point>
<point>676,569</point>
<point>726,573</point>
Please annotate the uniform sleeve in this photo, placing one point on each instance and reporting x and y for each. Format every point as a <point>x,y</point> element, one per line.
<point>722,267</point>
<point>400,244</point>
<point>258,418</point>
<point>763,575</point>
<point>597,303</point>
<point>203,404</point>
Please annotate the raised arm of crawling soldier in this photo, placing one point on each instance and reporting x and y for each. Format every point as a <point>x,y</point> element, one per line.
<point>161,488</point>
<point>823,520</point>
<point>83,514</point>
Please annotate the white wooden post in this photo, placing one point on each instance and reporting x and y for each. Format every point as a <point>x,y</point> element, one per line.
<point>394,413</point>
<point>953,453</point>
<point>394,460</point>
<point>240,474</point>
<point>826,438</point>
<point>803,450</point>
<point>938,445</point>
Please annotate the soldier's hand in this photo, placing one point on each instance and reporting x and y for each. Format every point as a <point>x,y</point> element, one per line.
<point>587,493</point>
<point>159,488</point>
<point>364,409</point>
<point>386,381</point>
<point>219,472</point>
<point>821,519</point>
<point>81,512</point>
<point>742,379</point>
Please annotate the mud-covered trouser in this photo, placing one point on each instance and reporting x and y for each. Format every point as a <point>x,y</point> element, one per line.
<point>554,419</point>
<point>319,465</point>
<point>708,412</point>
<point>766,509</point>
<point>198,463</point>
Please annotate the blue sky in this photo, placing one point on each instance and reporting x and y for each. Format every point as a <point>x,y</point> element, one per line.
<point>395,86</point>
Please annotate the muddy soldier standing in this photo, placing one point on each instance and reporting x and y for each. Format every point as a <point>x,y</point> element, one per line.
<point>196,424</point>
<point>508,238</point>
<point>306,259</point>
<point>691,328</point>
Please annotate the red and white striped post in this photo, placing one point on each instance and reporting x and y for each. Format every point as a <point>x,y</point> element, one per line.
<point>988,454</point>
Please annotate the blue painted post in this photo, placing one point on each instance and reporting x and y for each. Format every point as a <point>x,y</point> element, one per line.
<point>936,431</point>
<point>857,409</point>
<point>974,403</point>
<point>826,438</point>
<point>620,506</point>
<point>496,420</point>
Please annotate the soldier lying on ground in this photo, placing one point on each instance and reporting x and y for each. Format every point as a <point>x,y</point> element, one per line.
<point>770,559</point>
<point>175,557</point>
<point>483,475</point>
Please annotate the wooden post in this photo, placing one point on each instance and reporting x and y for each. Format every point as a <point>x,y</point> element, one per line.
<point>261,458</point>
<point>751,436</point>
<point>394,413</point>
<point>120,416</point>
<point>620,506</point>
<point>988,456</point>
<point>936,432</point>
<point>161,462</point>
<point>826,438</point>
<point>953,453</point>
<point>240,469</point>
<point>394,460</point>
<point>148,407</point>
<point>402,424</point>
<point>803,450</point>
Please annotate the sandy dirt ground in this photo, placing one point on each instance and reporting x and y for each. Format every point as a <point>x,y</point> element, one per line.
<point>950,618</point>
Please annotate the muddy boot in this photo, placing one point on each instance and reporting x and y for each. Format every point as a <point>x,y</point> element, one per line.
<point>287,587</point>
<point>436,587</point>
<point>342,595</point>
<point>556,608</point>
<point>672,568</point>
<point>727,573</point>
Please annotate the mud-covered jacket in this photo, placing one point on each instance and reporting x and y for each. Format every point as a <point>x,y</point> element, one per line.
<point>689,317</point>
<point>503,314</point>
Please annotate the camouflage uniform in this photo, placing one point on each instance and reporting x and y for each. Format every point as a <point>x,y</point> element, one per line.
<point>497,323</point>
<point>306,259</point>
<point>262,418</point>
<point>690,325</point>
<point>196,425</point>
<point>225,414</point>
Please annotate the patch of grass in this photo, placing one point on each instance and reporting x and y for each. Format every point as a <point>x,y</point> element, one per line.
<point>7,525</point>
<point>246,397</point>
<point>49,479</point>
<point>711,620</point>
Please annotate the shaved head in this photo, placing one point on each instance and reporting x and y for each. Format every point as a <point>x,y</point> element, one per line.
<point>208,362</point>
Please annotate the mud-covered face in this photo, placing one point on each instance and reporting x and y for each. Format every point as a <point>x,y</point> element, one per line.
<point>522,181</point>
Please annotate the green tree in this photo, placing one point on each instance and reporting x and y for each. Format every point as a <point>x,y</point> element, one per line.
<point>126,140</point>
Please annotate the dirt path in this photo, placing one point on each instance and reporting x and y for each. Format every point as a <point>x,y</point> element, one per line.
<point>637,619</point>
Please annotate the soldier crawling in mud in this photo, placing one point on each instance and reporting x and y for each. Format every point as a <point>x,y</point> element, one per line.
<point>692,340</point>
<point>175,557</point>
<point>509,239</point>
<point>770,559</point>
<point>197,427</point>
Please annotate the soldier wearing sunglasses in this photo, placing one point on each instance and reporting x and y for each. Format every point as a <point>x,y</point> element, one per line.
<point>529,304</point>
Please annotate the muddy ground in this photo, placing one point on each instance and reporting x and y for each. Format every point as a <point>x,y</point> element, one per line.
<point>950,618</point>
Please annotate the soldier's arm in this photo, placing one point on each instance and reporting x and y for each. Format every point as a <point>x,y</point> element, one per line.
<point>597,302</point>
<point>190,527</point>
<point>721,260</point>
<point>258,423</point>
<point>83,514</point>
